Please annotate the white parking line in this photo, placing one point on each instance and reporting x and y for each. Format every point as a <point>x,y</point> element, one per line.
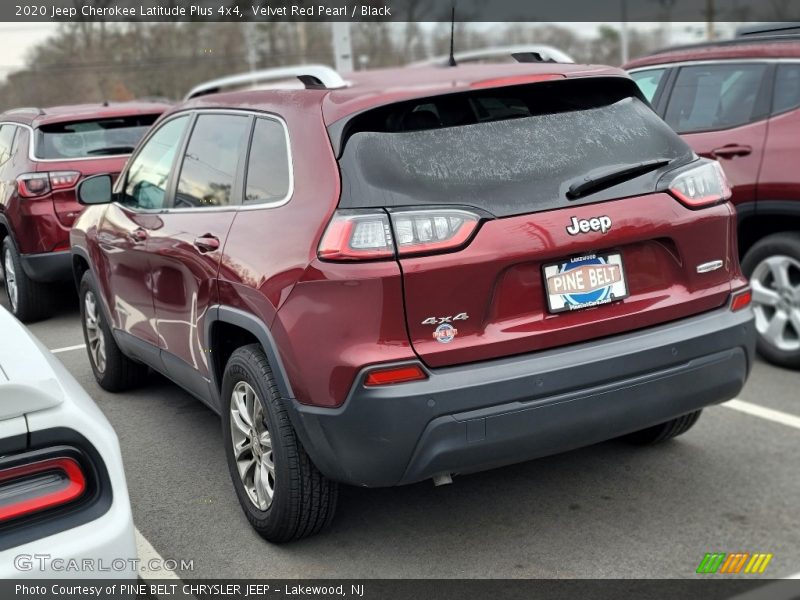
<point>769,414</point>
<point>149,556</point>
<point>68,349</point>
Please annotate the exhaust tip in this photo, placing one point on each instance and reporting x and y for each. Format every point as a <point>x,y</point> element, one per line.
<point>442,479</point>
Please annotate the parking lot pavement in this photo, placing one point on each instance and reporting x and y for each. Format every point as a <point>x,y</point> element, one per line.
<point>610,510</point>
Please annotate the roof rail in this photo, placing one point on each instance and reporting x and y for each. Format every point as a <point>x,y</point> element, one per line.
<point>738,41</point>
<point>524,53</point>
<point>312,76</point>
<point>769,29</point>
<point>26,109</point>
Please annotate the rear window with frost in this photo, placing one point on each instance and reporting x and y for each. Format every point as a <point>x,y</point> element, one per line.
<point>507,150</point>
<point>91,138</point>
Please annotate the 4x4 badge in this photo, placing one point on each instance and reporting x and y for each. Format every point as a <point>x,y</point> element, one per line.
<point>439,320</point>
<point>601,224</point>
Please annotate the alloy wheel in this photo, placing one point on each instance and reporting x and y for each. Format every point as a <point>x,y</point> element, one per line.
<point>11,280</point>
<point>95,337</point>
<point>776,301</point>
<point>252,445</point>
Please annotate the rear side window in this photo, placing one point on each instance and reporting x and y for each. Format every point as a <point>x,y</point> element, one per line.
<point>511,150</point>
<point>211,161</point>
<point>787,88</point>
<point>719,96</point>
<point>648,81</point>
<point>268,171</point>
<point>99,137</point>
<point>146,185</point>
<point>6,140</point>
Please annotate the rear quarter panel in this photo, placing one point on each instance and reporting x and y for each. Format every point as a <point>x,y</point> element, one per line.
<point>327,320</point>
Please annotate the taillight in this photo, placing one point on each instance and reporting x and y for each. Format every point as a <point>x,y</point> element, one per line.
<point>369,234</point>
<point>357,235</point>
<point>60,180</point>
<point>31,185</point>
<point>701,186</point>
<point>30,488</point>
<point>436,230</point>
<point>392,375</point>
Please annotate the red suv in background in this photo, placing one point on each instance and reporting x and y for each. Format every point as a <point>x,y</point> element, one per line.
<point>415,274</point>
<point>738,101</point>
<point>44,153</point>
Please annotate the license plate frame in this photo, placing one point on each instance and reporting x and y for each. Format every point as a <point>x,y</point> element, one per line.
<point>586,281</point>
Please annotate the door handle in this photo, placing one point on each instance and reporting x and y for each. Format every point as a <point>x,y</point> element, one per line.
<point>138,235</point>
<point>731,150</point>
<point>207,243</point>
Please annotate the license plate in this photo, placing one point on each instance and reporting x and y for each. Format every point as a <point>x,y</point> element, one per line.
<point>584,281</point>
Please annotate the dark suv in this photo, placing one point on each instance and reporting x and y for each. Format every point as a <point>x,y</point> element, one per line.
<point>738,101</point>
<point>44,153</point>
<point>415,274</point>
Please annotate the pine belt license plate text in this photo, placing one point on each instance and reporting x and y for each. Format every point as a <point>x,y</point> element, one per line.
<point>585,281</point>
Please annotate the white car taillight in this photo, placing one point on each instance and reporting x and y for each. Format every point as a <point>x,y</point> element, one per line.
<point>40,485</point>
<point>369,234</point>
<point>701,186</point>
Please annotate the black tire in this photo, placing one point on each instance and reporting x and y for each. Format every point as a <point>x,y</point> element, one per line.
<point>780,244</point>
<point>303,500</point>
<point>119,373</point>
<point>32,298</point>
<point>664,431</point>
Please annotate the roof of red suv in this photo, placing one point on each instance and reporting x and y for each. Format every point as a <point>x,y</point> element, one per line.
<point>369,89</point>
<point>727,50</point>
<point>36,117</point>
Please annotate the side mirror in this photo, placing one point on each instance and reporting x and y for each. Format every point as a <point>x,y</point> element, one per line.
<point>95,190</point>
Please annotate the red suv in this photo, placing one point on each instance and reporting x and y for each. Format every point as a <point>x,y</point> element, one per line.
<point>738,101</point>
<point>43,155</point>
<point>415,274</point>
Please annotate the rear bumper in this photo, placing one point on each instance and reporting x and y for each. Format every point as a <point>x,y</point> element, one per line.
<point>494,413</point>
<point>48,267</point>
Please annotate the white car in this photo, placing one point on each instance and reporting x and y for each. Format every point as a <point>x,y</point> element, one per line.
<point>64,507</point>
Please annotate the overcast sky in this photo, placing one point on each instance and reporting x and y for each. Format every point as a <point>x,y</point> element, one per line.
<point>17,38</point>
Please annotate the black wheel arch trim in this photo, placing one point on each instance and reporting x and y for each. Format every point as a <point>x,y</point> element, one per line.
<point>749,214</point>
<point>4,222</point>
<point>744,211</point>
<point>80,252</point>
<point>776,208</point>
<point>235,316</point>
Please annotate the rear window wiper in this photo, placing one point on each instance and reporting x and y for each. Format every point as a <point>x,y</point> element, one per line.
<point>111,150</point>
<point>612,176</point>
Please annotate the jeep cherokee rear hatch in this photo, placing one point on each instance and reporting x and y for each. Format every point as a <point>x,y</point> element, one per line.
<point>530,216</point>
